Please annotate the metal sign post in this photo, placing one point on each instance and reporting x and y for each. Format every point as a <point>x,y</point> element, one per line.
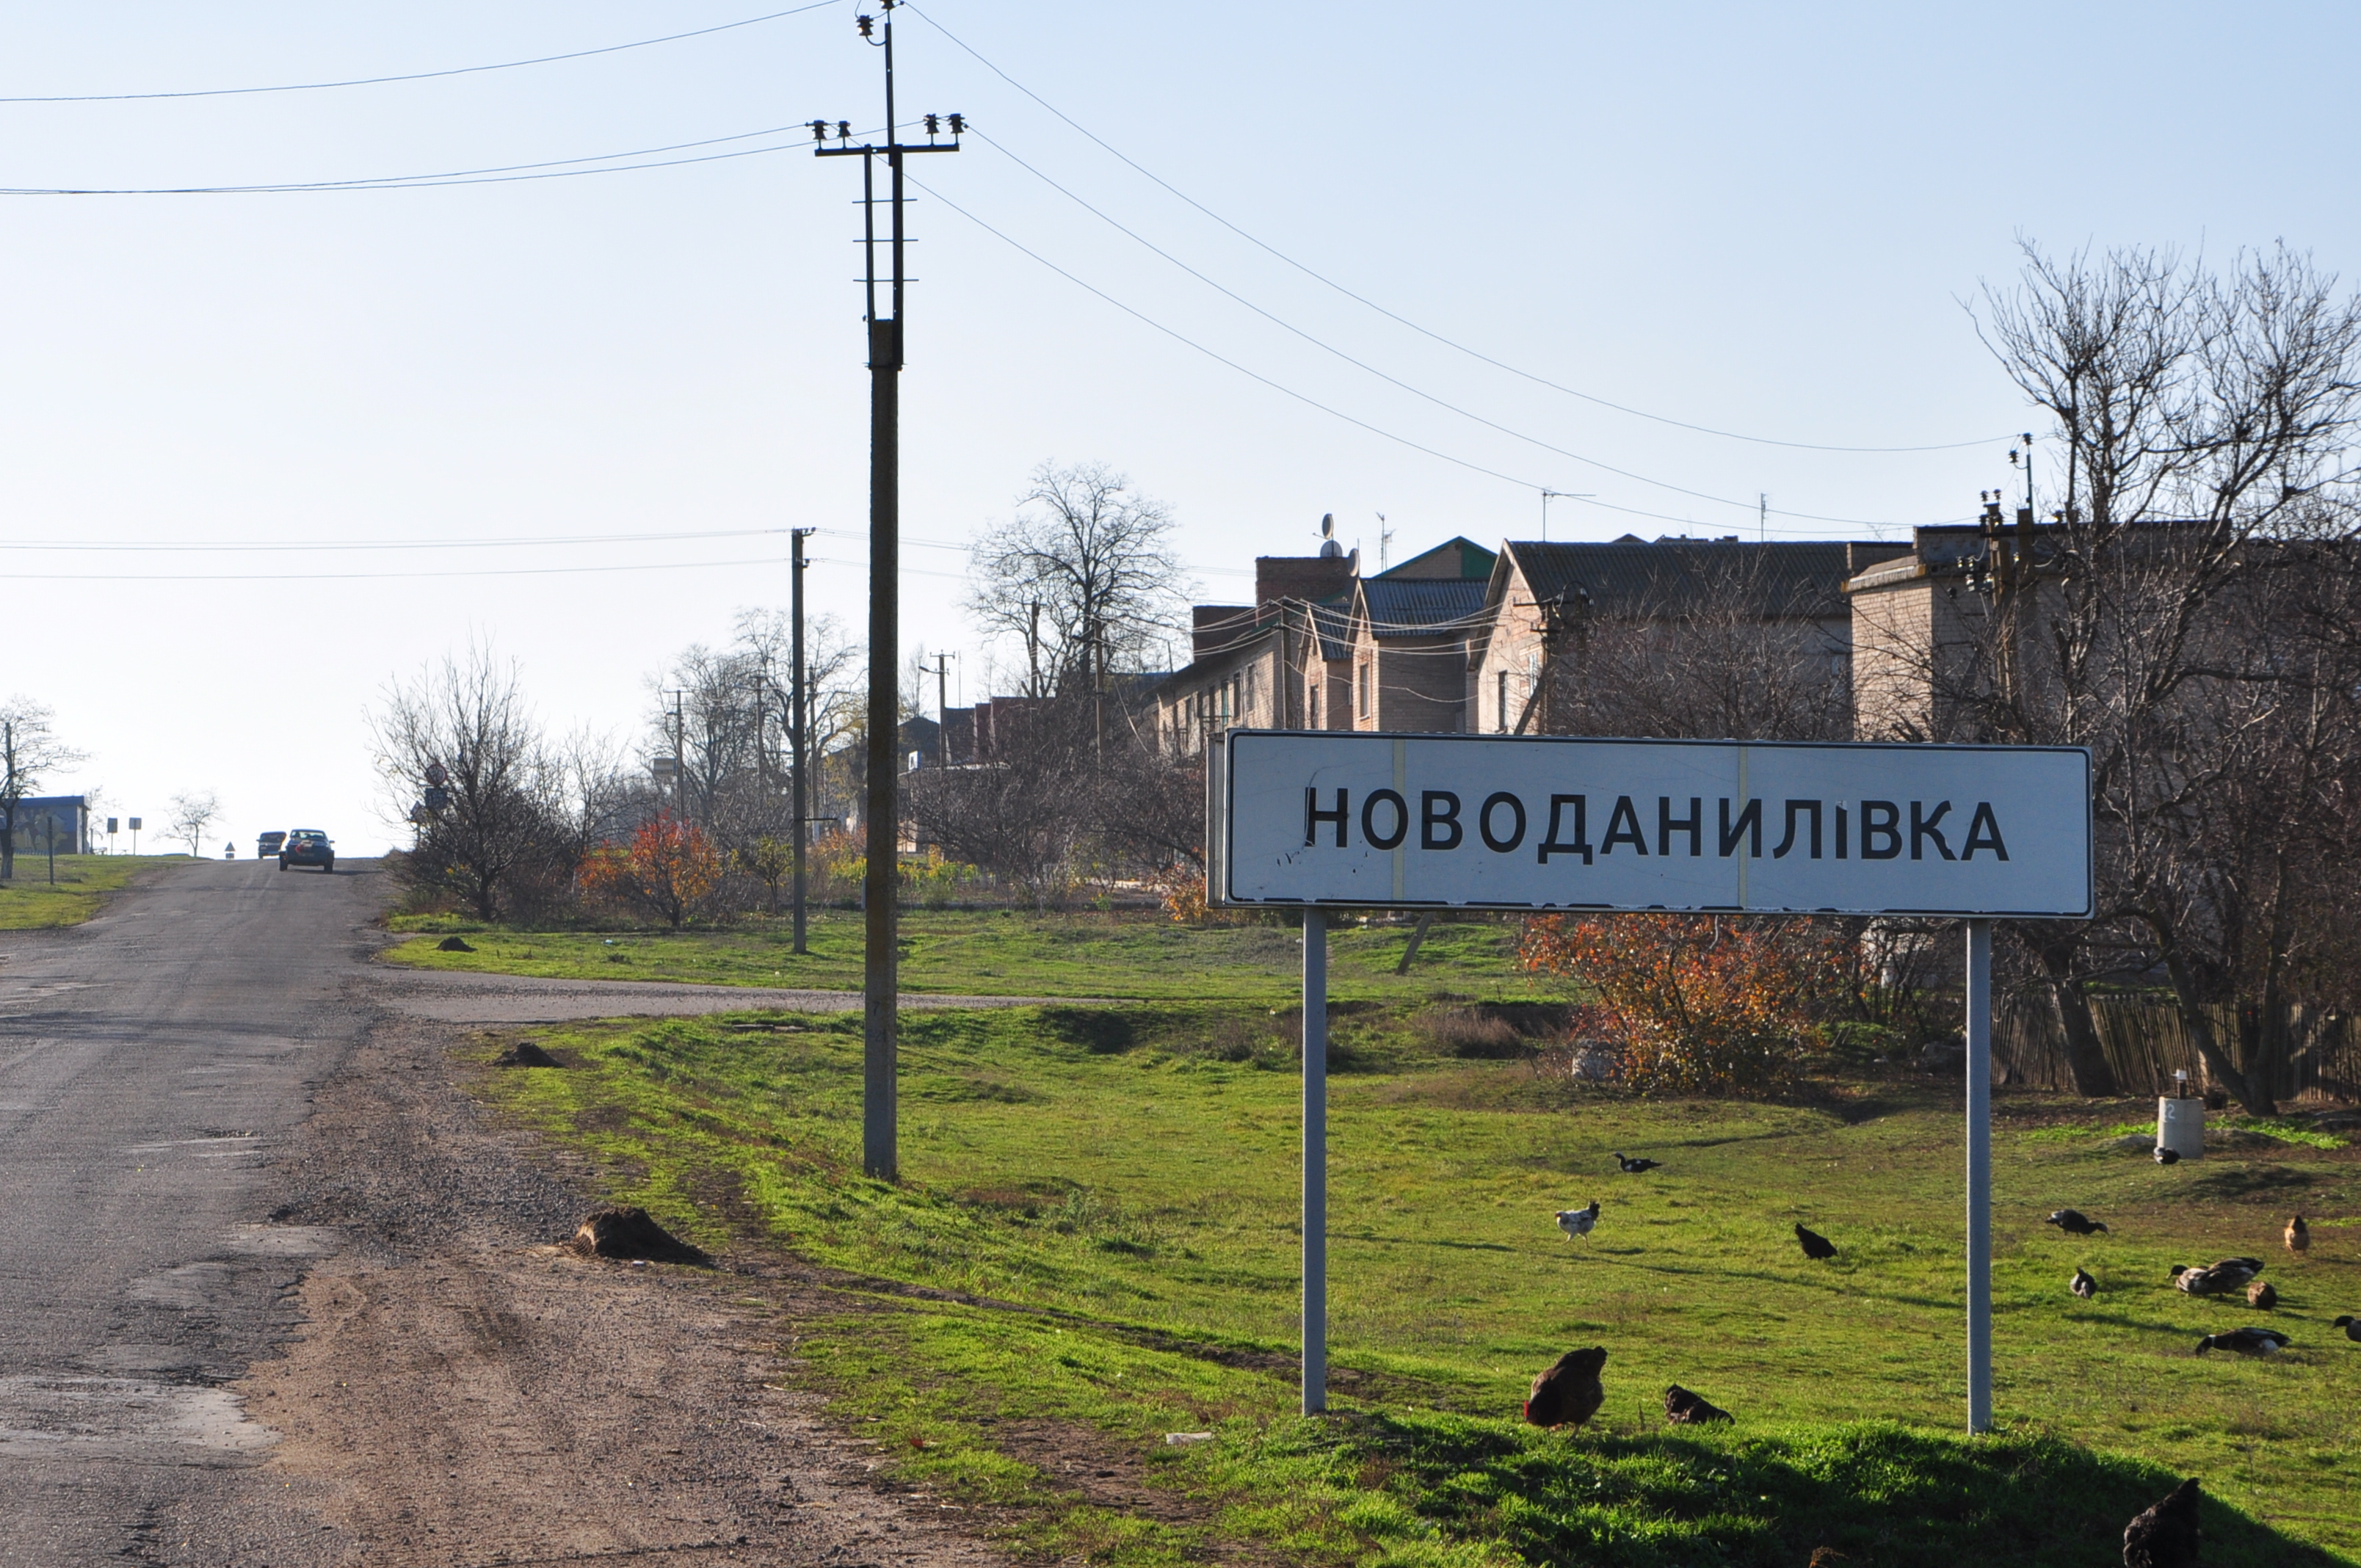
<point>1313,819</point>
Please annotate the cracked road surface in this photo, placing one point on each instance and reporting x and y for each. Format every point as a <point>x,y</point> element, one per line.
<point>270,1293</point>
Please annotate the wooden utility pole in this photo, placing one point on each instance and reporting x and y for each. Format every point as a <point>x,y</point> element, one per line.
<point>799,704</point>
<point>881,819</point>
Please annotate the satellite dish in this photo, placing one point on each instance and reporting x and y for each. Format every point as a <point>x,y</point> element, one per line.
<point>1327,525</point>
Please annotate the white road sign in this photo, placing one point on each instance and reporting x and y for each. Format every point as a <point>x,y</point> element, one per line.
<point>1562,822</point>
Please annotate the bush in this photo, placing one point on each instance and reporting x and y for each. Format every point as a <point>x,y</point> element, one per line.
<point>1469,1032</point>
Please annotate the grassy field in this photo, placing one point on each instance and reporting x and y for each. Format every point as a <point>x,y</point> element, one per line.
<point>30,900</point>
<point>1132,954</point>
<point>1129,1176</point>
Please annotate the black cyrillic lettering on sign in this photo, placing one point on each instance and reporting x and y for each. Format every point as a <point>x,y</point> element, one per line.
<point>1749,823</point>
<point>1552,844</point>
<point>1840,832</point>
<point>1880,831</point>
<point>1313,816</point>
<point>1794,808</point>
<point>1492,841</point>
<point>1983,833</point>
<point>1923,828</point>
<point>1667,824</point>
<point>1370,819</point>
<point>1623,827</point>
<point>1433,824</point>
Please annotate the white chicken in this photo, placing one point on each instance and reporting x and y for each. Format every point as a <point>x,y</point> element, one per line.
<point>1577,1222</point>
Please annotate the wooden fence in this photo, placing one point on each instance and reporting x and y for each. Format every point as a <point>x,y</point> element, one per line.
<point>2146,1042</point>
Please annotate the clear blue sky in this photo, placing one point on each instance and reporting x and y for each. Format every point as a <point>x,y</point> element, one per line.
<point>1764,220</point>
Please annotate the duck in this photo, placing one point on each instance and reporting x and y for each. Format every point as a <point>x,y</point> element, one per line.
<point>2167,1156</point>
<point>1682,1408</point>
<point>2165,1535</point>
<point>1816,1245</point>
<point>2299,1235</point>
<point>1635,1166</point>
<point>2073,1221</point>
<point>1577,1222</point>
<point>2260,1294</point>
<point>2082,1285</point>
<point>2350,1324</point>
<point>2246,1342</point>
<point>1569,1392</point>
<point>2221,1278</point>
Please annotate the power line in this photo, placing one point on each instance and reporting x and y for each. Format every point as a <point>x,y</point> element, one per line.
<point>415,75</point>
<point>1395,380</point>
<point>1304,398</point>
<point>1404,320</point>
<point>167,547</point>
<point>376,577</point>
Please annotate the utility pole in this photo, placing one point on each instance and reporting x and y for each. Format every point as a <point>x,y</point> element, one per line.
<point>1762,517</point>
<point>1549,495</point>
<point>679,759</point>
<point>882,819</point>
<point>795,722</point>
<point>943,709</point>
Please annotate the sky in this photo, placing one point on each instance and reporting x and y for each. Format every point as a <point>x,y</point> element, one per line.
<point>1769,222</point>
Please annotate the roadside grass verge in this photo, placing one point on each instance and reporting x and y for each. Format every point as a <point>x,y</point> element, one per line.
<point>1129,954</point>
<point>30,901</point>
<point>1112,1210</point>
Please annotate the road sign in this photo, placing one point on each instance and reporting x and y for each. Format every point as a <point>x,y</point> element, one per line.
<point>1313,819</point>
<point>436,799</point>
<point>435,773</point>
<point>1562,822</point>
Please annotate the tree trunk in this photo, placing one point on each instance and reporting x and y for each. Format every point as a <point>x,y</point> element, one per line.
<point>2254,1094</point>
<point>2094,1076</point>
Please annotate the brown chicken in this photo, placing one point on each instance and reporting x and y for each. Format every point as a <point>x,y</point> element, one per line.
<point>1682,1408</point>
<point>2260,1294</point>
<point>2299,1235</point>
<point>1569,1393</point>
<point>2165,1536</point>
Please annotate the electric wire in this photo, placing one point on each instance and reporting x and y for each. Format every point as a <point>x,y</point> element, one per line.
<point>170,547</point>
<point>1404,320</point>
<point>1394,380</point>
<point>415,75</point>
<point>380,577</point>
<point>1290,393</point>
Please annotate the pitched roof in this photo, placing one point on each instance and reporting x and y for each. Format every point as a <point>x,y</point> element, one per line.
<point>1415,606</point>
<point>1334,623</point>
<point>1630,577</point>
<point>1459,559</point>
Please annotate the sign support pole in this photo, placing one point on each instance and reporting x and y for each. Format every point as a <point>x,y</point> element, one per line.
<point>1978,1072</point>
<point>1315,1161</point>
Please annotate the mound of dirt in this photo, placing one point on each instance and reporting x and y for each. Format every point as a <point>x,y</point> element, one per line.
<point>525,1053</point>
<point>453,944</point>
<point>629,1232</point>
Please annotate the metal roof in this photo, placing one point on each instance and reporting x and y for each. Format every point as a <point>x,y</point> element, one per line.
<point>1414,606</point>
<point>1803,579</point>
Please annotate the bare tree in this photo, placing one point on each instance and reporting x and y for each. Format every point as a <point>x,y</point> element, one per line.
<point>510,834</point>
<point>29,749</point>
<point>192,813</point>
<point>2162,618</point>
<point>1082,578</point>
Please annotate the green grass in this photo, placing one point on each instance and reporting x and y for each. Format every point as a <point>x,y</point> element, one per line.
<point>1004,953</point>
<point>1129,1177</point>
<point>30,901</point>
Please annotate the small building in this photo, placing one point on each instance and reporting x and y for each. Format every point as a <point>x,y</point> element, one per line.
<point>43,822</point>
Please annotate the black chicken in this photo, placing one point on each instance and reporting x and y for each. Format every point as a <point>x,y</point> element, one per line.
<point>1569,1393</point>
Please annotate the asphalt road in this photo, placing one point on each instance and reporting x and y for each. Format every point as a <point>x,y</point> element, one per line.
<point>151,1061</point>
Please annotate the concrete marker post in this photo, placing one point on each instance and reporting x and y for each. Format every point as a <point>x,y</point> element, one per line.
<point>1979,1073</point>
<point>1315,1161</point>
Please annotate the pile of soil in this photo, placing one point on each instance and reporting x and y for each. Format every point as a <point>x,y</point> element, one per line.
<point>629,1232</point>
<point>453,944</point>
<point>525,1053</point>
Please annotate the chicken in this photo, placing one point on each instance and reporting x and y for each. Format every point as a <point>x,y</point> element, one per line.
<point>2073,1221</point>
<point>2165,1536</point>
<point>2082,1285</point>
<point>1635,1166</point>
<point>2246,1342</point>
<point>2351,1325</point>
<point>1682,1408</point>
<point>1569,1393</point>
<point>2167,1156</point>
<point>1816,1245</point>
<point>2223,1278</point>
<point>2299,1235</point>
<point>1577,1222</point>
<point>2260,1294</point>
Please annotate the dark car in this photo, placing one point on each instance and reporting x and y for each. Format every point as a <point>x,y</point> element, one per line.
<point>267,845</point>
<point>307,847</point>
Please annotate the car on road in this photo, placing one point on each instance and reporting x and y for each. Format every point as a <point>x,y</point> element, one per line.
<point>268,845</point>
<point>307,847</point>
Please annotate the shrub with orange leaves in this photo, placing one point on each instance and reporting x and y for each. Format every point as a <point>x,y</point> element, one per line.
<point>669,870</point>
<point>1698,1005</point>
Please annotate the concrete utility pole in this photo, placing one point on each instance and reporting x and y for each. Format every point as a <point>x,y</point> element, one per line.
<point>882,819</point>
<point>795,724</point>
<point>943,709</point>
<point>679,757</point>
